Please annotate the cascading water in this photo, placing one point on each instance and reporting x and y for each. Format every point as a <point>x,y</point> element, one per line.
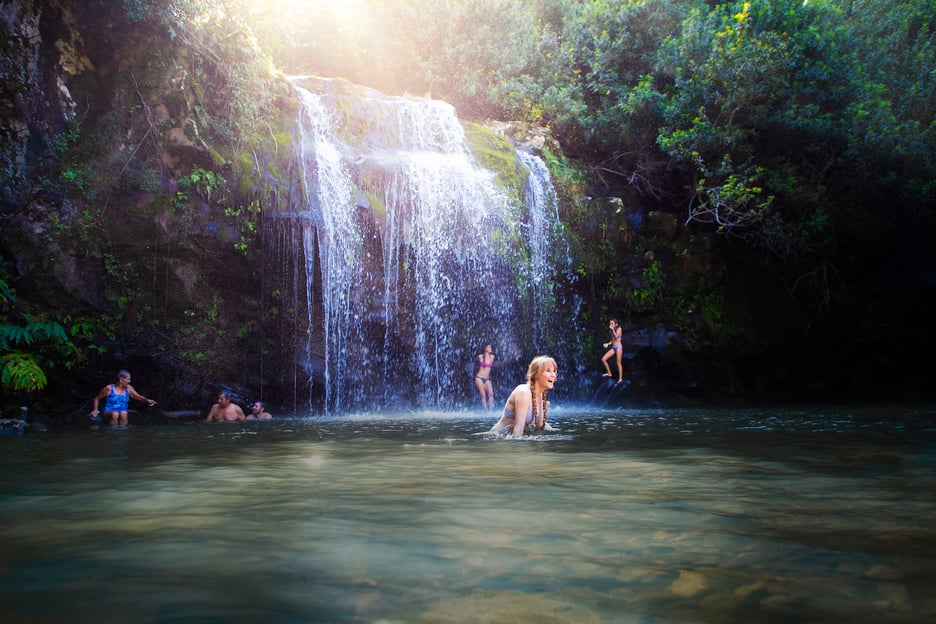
<point>550,260</point>
<point>414,255</point>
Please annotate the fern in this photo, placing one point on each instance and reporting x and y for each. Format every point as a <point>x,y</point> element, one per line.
<point>14,335</point>
<point>21,373</point>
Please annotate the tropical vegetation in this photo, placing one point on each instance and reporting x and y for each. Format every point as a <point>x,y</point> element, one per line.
<point>799,134</point>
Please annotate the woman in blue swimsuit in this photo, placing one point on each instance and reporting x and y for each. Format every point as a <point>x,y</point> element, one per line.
<point>529,399</point>
<point>482,378</point>
<point>117,400</point>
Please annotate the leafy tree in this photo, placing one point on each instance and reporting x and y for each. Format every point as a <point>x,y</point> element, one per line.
<point>788,126</point>
<point>598,76</point>
<point>893,115</point>
<point>754,111</point>
<point>479,55</point>
<point>897,44</point>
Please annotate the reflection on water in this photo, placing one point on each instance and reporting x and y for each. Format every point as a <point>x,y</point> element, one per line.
<point>635,516</point>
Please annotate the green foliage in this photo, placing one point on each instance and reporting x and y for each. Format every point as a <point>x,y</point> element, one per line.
<point>48,331</point>
<point>897,51</point>
<point>21,373</point>
<point>479,55</point>
<point>245,329</point>
<point>71,171</point>
<point>599,77</point>
<point>776,95</point>
<point>141,10</point>
<point>744,97</point>
<point>90,332</point>
<point>7,294</point>
<point>244,217</point>
<point>235,87</point>
<point>892,130</point>
<point>202,181</point>
<point>27,346</point>
<point>89,329</point>
<point>13,334</point>
<point>568,178</point>
<point>199,340</point>
<point>650,294</point>
<point>705,316</point>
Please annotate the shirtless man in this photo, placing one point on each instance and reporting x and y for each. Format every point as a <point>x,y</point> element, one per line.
<point>258,412</point>
<point>225,411</point>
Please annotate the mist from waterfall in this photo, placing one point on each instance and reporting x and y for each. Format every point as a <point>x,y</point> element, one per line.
<point>413,257</point>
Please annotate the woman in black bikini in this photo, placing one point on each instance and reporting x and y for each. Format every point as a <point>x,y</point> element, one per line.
<point>482,378</point>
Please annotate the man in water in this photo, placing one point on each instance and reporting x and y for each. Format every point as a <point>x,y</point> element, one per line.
<point>258,412</point>
<point>225,411</point>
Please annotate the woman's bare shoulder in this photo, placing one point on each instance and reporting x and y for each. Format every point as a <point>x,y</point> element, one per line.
<point>521,389</point>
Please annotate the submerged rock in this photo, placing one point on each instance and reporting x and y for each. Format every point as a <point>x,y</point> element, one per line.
<point>12,426</point>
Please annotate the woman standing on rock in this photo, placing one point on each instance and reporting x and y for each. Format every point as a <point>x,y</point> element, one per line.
<point>614,349</point>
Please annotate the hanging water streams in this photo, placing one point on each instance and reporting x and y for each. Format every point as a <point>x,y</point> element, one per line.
<point>414,255</point>
<point>550,257</point>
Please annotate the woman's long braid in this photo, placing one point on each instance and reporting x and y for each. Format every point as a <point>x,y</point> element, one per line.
<point>533,400</point>
<point>545,408</point>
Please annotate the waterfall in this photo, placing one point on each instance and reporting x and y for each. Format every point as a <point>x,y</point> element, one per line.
<point>550,258</point>
<point>413,255</point>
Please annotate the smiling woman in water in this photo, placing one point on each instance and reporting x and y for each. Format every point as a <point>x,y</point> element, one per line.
<point>526,406</point>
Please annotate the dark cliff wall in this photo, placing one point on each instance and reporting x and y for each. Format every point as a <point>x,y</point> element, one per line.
<point>136,174</point>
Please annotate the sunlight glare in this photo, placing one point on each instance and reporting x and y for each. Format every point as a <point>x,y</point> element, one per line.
<point>346,14</point>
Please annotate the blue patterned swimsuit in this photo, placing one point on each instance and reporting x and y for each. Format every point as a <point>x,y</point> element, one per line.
<point>117,402</point>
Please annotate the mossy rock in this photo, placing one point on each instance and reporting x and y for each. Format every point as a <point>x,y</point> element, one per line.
<point>494,152</point>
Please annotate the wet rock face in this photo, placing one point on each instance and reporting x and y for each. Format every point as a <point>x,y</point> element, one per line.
<point>43,50</point>
<point>21,96</point>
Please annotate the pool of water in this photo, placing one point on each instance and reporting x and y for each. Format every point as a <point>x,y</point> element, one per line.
<point>643,516</point>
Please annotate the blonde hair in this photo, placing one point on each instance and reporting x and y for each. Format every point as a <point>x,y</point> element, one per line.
<point>539,363</point>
